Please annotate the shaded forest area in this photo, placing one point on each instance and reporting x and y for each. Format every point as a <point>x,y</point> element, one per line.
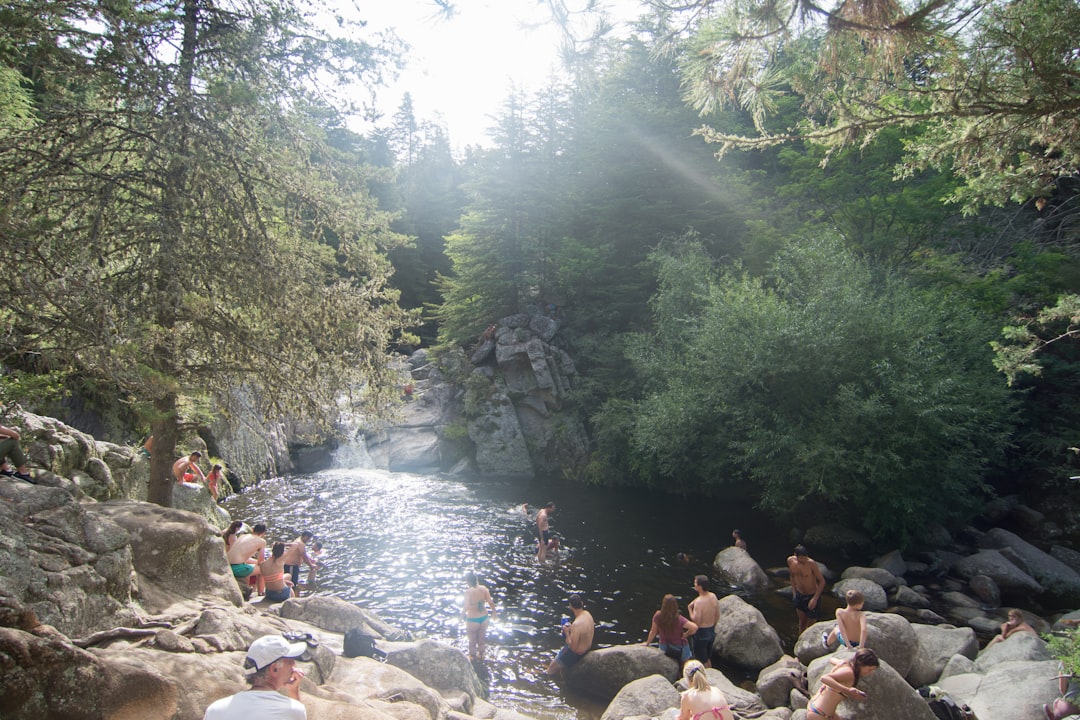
<point>814,319</point>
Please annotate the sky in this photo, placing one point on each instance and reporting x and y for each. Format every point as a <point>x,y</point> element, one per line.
<point>461,68</point>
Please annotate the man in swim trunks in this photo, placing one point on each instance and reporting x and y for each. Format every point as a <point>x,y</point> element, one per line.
<point>297,553</point>
<point>188,464</point>
<point>705,613</point>
<point>807,584</point>
<point>246,554</point>
<point>579,636</point>
<point>543,530</point>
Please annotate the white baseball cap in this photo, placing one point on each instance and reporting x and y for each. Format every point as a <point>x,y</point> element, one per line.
<point>271,648</point>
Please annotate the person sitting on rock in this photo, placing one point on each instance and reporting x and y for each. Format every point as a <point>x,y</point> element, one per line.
<point>1015,624</point>
<point>273,659</point>
<point>672,629</point>
<point>850,628</point>
<point>278,589</point>
<point>702,701</point>
<point>9,448</point>
<point>246,554</point>
<point>186,465</point>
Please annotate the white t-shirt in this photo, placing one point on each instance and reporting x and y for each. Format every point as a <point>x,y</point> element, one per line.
<point>251,704</point>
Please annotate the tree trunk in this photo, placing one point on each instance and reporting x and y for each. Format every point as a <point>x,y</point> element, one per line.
<point>163,451</point>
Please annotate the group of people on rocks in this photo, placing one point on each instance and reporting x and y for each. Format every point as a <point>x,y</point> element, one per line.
<point>274,575</point>
<point>186,470</point>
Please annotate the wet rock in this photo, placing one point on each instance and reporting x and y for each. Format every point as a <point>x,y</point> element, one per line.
<point>737,568</point>
<point>602,673</point>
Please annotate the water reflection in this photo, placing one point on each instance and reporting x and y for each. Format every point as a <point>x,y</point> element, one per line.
<point>401,544</point>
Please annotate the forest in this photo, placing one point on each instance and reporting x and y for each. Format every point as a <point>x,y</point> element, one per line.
<point>819,257</point>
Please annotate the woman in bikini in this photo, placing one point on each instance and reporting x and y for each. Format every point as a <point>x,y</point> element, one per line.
<point>273,574</point>
<point>477,616</point>
<point>702,701</point>
<point>840,684</point>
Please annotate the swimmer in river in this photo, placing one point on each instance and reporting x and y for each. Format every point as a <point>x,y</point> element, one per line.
<point>545,540</point>
<point>479,609</point>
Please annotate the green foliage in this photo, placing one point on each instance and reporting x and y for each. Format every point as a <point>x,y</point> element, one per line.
<point>478,390</point>
<point>822,384</point>
<point>1066,648</point>
<point>456,432</point>
<point>32,390</point>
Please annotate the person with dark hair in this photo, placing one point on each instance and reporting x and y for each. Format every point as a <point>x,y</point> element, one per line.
<point>807,584</point>
<point>277,589</point>
<point>545,540</point>
<point>9,448</point>
<point>297,553</point>
<point>673,630</point>
<point>213,479</point>
<point>840,684</point>
<point>479,608</point>
<point>229,536</point>
<point>187,465</point>
<point>702,700</point>
<point>246,554</point>
<point>273,659</point>
<point>705,612</point>
<point>737,541</point>
<point>579,636</point>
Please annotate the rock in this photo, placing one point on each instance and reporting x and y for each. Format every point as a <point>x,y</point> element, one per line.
<point>874,596</point>
<point>1068,621</point>
<point>934,647</point>
<point>364,678</point>
<point>881,577</point>
<point>500,444</point>
<point>1021,647</point>
<point>960,600</point>
<point>957,665</point>
<point>893,562</point>
<point>808,647</point>
<point>178,556</point>
<point>889,697</point>
<point>1066,555</point>
<point>602,673</point>
<point>775,683</point>
<point>929,617</point>
<point>1013,691</point>
<point>50,678</point>
<point>994,565</point>
<point>984,588</point>
<point>737,568</point>
<point>337,615</point>
<point>834,536</point>
<point>743,702</point>
<point>195,498</point>
<point>893,639</point>
<point>645,696</point>
<point>436,665</point>
<point>910,598</point>
<point>1055,576</point>
<point>743,637</point>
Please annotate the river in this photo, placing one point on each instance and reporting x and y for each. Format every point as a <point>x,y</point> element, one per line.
<point>400,544</point>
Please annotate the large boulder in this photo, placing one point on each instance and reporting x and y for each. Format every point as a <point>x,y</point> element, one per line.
<point>178,556</point>
<point>1021,647</point>
<point>48,677</point>
<point>775,683</point>
<point>436,665</point>
<point>1009,691</point>
<point>645,696</point>
<point>743,637</point>
<point>337,615</point>
<point>893,639</point>
<point>737,568</point>
<point>889,697</point>
<point>994,565</point>
<point>893,562</point>
<point>602,673</point>
<point>1054,575</point>
<point>935,646</point>
<point>496,432</point>
<point>874,595</point>
<point>367,679</point>
<point>879,576</point>
<point>69,566</point>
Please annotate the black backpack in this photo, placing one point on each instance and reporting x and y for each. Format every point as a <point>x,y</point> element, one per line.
<point>359,644</point>
<point>945,708</point>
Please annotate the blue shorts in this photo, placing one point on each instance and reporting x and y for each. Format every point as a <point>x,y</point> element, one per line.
<point>278,595</point>
<point>682,650</point>
<point>567,657</point>
<point>703,640</point>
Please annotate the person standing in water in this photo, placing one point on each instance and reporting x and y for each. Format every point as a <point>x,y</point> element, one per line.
<point>840,684</point>
<point>807,584</point>
<point>543,530</point>
<point>479,609</point>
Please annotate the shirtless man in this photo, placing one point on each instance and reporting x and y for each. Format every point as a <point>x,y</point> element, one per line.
<point>543,530</point>
<point>246,554</point>
<point>296,554</point>
<point>737,540</point>
<point>705,613</point>
<point>807,584</point>
<point>188,464</point>
<point>578,634</point>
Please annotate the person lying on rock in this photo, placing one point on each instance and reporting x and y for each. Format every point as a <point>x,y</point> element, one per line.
<point>840,684</point>
<point>273,659</point>
<point>1015,624</point>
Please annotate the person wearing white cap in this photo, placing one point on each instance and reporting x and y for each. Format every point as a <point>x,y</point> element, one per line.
<point>273,659</point>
